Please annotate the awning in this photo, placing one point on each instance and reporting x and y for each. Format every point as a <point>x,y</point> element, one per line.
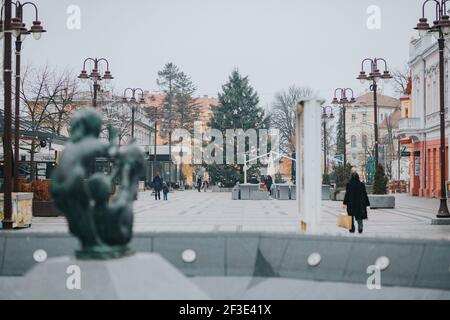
<point>406,141</point>
<point>27,130</point>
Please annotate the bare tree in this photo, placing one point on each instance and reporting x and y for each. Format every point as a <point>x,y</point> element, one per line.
<point>39,89</point>
<point>63,104</point>
<point>400,79</point>
<point>283,114</point>
<point>390,150</point>
<point>330,141</point>
<point>117,115</point>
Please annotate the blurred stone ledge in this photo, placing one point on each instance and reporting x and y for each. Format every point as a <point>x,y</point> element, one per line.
<point>139,276</point>
<point>412,263</point>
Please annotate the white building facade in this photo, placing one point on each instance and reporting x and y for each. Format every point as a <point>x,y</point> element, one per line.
<point>421,127</point>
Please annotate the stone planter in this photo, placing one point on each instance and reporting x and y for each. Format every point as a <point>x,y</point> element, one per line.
<point>294,192</point>
<point>219,189</point>
<point>45,209</point>
<point>282,192</point>
<point>235,193</point>
<point>381,201</point>
<point>22,209</point>
<point>326,192</point>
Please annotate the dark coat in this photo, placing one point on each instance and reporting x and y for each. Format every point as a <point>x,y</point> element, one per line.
<point>157,183</point>
<point>269,182</point>
<point>356,199</point>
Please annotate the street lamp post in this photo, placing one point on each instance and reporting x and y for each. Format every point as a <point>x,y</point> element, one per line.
<point>20,31</point>
<point>440,29</point>
<point>12,26</point>
<point>153,110</point>
<point>343,102</point>
<point>399,155</point>
<point>95,76</point>
<point>133,102</point>
<point>325,117</point>
<point>167,126</point>
<point>374,76</point>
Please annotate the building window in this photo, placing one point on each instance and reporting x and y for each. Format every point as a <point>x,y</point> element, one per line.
<point>435,96</point>
<point>353,141</point>
<point>364,116</point>
<point>364,141</point>
<point>353,156</point>
<point>353,118</point>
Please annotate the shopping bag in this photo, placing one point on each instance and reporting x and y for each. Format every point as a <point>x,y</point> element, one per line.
<point>345,221</point>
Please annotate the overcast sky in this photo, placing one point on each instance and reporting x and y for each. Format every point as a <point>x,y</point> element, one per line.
<point>276,42</point>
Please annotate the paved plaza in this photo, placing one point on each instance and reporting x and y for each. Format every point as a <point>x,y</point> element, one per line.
<point>191,211</point>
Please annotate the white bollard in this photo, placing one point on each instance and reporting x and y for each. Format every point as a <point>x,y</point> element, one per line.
<point>308,164</point>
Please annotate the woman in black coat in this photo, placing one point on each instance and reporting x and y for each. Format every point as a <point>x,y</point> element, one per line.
<point>157,186</point>
<point>356,202</point>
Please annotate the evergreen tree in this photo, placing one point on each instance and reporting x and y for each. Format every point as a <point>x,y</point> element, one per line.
<point>187,109</point>
<point>380,181</point>
<point>341,175</point>
<point>238,106</point>
<point>238,109</point>
<point>340,139</point>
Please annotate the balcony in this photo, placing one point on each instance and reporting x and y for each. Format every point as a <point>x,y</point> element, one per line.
<point>409,126</point>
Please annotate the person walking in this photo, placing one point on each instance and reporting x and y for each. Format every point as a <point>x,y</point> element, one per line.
<point>157,186</point>
<point>199,183</point>
<point>356,201</point>
<point>165,190</point>
<point>269,183</point>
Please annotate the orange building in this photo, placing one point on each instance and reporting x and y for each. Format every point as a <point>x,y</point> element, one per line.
<point>156,100</point>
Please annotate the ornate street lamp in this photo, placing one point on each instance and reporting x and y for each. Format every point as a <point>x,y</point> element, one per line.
<point>20,31</point>
<point>343,102</point>
<point>440,29</point>
<point>326,116</point>
<point>17,27</point>
<point>95,76</point>
<point>134,103</point>
<point>13,26</point>
<point>374,77</point>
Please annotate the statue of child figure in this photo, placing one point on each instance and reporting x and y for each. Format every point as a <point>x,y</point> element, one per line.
<point>101,221</point>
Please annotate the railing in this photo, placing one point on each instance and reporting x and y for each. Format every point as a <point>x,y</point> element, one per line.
<point>409,124</point>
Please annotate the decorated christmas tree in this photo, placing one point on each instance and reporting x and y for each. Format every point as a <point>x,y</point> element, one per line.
<point>238,109</point>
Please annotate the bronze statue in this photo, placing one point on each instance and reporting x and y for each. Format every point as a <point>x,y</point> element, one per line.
<point>101,220</point>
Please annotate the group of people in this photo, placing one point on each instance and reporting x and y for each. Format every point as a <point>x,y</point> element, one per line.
<point>355,202</point>
<point>160,185</point>
<point>202,185</point>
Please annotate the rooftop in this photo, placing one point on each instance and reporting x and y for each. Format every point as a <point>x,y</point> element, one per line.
<point>383,100</point>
